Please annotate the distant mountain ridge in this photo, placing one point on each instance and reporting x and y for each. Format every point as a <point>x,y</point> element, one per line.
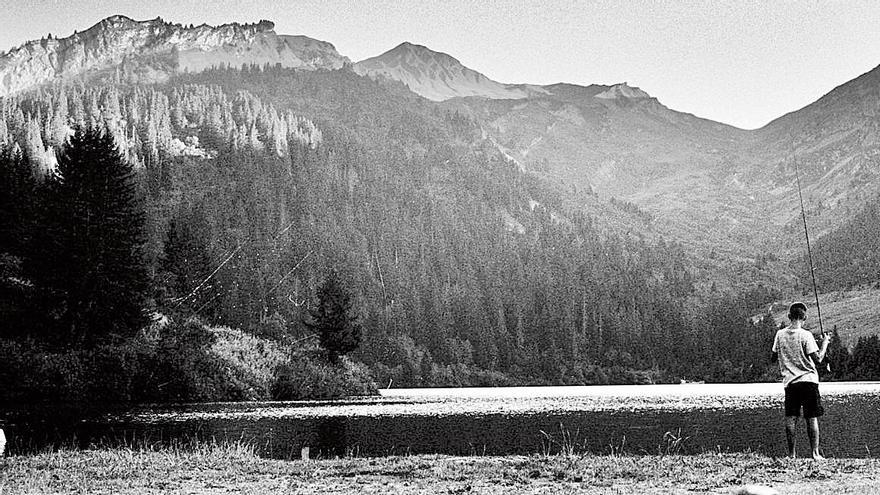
<point>152,50</point>
<point>437,76</point>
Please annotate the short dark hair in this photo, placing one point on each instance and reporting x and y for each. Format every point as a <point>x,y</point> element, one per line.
<point>797,311</point>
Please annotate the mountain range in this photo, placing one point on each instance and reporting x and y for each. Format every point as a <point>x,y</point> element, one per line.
<point>720,191</point>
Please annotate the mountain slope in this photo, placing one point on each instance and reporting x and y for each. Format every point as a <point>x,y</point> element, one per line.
<point>434,75</point>
<point>153,50</point>
<point>618,141</point>
<point>835,143</point>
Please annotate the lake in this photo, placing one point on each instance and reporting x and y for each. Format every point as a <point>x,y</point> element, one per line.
<point>687,418</point>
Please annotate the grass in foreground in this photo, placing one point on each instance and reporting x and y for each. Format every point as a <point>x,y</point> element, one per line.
<point>236,469</point>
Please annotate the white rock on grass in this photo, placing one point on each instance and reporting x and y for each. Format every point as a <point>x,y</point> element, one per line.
<point>755,490</point>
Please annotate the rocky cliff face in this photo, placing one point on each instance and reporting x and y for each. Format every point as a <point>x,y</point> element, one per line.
<point>152,50</point>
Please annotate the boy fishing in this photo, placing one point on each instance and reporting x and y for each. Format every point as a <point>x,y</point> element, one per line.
<point>798,355</point>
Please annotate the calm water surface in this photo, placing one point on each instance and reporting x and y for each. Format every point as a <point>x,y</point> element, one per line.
<point>690,418</point>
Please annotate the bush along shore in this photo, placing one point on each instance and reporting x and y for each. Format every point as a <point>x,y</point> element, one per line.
<point>178,362</point>
<point>236,468</point>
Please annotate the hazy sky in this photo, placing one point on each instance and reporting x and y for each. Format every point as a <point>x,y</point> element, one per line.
<point>739,62</point>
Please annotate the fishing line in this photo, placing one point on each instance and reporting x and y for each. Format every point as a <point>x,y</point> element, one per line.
<point>193,292</point>
<point>809,250</point>
<point>289,273</point>
<point>226,260</point>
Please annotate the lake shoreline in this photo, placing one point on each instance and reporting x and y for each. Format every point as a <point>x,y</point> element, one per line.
<point>209,468</point>
<point>651,419</point>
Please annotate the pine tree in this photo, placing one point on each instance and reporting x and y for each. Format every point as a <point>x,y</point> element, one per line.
<point>17,222</point>
<point>338,332</point>
<point>17,187</point>
<point>865,362</point>
<point>95,262</point>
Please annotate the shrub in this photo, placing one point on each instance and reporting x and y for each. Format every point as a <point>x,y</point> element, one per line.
<point>175,362</point>
<point>32,375</point>
<point>29,374</point>
<point>306,377</point>
<point>251,362</point>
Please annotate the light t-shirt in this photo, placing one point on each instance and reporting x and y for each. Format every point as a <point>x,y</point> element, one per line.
<point>794,347</point>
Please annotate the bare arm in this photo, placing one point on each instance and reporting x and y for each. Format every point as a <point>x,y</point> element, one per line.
<point>818,357</point>
<point>774,356</point>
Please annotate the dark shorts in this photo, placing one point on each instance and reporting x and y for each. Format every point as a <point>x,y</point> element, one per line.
<point>804,394</point>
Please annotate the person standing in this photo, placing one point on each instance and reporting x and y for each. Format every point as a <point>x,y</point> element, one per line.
<point>798,356</point>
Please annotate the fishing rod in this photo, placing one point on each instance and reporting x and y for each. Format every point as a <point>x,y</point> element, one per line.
<point>809,250</point>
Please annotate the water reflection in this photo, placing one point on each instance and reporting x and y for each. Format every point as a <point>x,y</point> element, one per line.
<point>632,419</point>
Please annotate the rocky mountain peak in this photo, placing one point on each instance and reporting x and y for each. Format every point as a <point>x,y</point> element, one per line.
<point>435,75</point>
<point>118,20</point>
<point>157,49</point>
<point>413,51</point>
<point>623,90</point>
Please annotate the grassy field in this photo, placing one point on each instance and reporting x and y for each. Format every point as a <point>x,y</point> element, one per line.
<point>236,469</point>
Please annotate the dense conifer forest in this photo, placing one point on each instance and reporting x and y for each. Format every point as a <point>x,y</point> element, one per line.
<point>850,255</point>
<point>141,216</point>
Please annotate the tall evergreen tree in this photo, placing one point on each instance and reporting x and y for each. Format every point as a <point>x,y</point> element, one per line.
<point>95,264</point>
<point>17,222</point>
<point>17,188</point>
<point>865,362</point>
<point>338,331</point>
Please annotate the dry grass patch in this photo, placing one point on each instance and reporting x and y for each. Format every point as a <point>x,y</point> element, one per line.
<point>236,468</point>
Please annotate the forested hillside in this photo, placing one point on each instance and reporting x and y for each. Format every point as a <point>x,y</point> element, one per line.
<point>849,256</point>
<point>464,269</point>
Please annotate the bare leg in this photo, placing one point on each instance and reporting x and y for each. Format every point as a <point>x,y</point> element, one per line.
<point>790,432</point>
<point>813,433</point>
